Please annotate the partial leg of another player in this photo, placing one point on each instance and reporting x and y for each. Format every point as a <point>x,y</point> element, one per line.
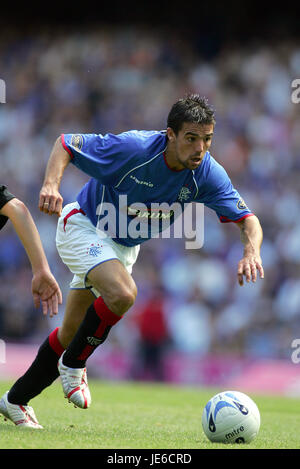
<point>43,371</point>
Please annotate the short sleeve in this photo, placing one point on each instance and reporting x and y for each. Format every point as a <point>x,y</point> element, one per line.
<point>219,195</point>
<point>103,157</point>
<point>5,196</point>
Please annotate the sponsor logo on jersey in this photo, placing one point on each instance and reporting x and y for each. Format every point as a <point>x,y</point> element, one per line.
<point>159,214</point>
<point>153,220</point>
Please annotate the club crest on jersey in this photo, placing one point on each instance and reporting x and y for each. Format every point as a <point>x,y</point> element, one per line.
<point>241,204</point>
<point>184,194</point>
<point>77,141</point>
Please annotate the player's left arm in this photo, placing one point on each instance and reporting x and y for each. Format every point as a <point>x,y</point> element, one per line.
<point>45,288</point>
<point>251,237</point>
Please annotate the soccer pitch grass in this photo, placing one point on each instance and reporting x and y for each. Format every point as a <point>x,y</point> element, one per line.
<point>134,415</point>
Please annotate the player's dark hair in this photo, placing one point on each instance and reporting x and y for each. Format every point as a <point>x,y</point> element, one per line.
<point>193,108</point>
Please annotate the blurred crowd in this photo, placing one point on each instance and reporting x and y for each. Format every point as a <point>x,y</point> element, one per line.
<point>111,80</point>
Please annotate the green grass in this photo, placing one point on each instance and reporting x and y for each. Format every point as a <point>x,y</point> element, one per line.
<point>142,416</point>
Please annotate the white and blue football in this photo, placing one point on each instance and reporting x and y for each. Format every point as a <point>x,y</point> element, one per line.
<point>231,417</point>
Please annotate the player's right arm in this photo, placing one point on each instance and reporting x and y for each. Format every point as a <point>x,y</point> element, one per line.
<point>103,157</point>
<point>50,200</point>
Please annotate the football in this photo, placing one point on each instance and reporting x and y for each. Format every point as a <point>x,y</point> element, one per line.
<point>231,417</point>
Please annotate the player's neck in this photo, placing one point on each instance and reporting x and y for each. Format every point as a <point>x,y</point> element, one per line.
<point>171,159</point>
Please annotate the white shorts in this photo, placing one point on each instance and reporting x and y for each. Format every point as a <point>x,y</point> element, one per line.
<point>82,247</point>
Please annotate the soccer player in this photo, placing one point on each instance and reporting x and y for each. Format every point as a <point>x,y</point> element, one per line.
<point>45,289</point>
<point>129,172</point>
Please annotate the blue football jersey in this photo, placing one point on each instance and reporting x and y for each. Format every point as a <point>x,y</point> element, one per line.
<point>130,174</point>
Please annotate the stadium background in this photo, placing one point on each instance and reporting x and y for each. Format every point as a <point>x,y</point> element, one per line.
<point>73,73</point>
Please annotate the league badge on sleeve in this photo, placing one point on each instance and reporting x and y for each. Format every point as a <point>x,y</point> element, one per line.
<point>77,141</point>
<point>241,205</point>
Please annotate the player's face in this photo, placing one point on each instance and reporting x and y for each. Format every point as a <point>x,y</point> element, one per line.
<point>188,147</point>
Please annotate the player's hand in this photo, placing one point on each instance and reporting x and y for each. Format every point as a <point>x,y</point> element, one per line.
<point>46,291</point>
<point>50,200</point>
<point>248,267</point>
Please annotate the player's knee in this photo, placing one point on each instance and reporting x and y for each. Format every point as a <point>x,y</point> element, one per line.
<point>122,300</point>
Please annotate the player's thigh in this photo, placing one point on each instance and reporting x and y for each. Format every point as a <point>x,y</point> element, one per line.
<point>78,301</point>
<point>115,285</point>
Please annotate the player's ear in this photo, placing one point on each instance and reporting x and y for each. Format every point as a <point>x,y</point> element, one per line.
<point>171,134</point>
